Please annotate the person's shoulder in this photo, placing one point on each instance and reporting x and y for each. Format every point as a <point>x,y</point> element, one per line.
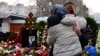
<point>69,16</point>
<point>81,21</point>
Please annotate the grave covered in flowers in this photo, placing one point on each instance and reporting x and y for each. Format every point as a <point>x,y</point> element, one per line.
<point>31,40</point>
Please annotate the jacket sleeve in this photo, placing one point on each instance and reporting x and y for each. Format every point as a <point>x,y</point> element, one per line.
<point>50,38</point>
<point>81,22</point>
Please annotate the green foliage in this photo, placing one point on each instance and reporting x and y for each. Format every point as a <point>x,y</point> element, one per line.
<point>11,48</point>
<point>41,26</point>
<point>93,25</point>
